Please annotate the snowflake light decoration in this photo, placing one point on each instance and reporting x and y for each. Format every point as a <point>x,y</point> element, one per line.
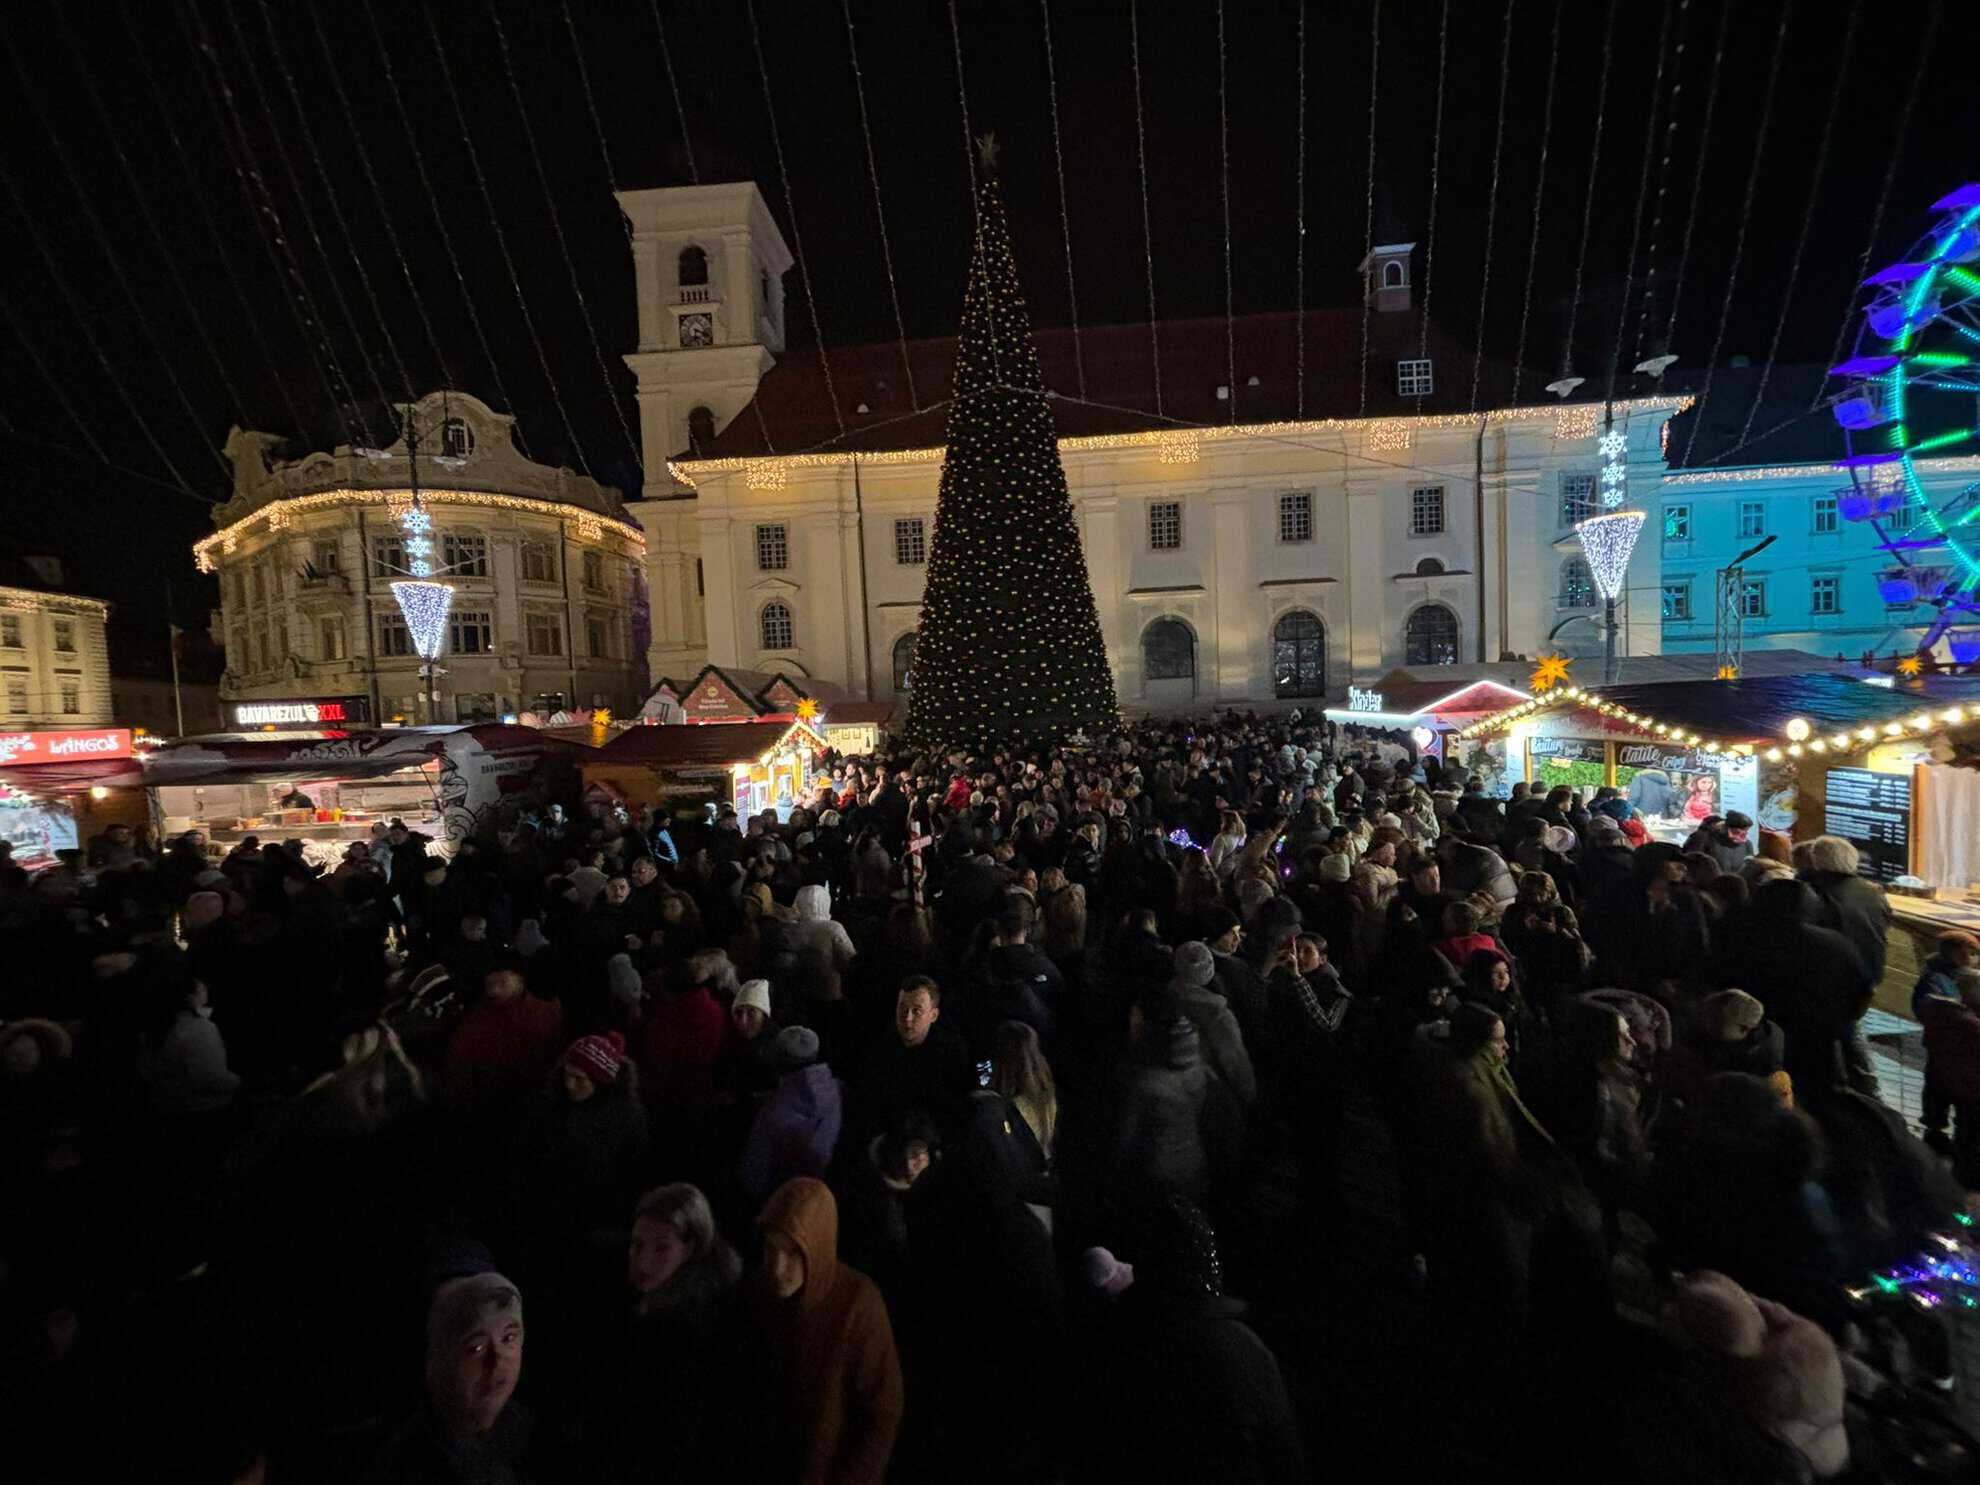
<point>423,602</point>
<point>1615,476</point>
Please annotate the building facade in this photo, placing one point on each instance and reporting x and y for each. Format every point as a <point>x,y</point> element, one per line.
<point>54,655</point>
<point>1336,513</point>
<point>547,571</point>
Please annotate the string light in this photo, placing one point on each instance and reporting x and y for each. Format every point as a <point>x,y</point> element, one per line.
<point>425,606</point>
<point>1539,195</point>
<point>1608,541</point>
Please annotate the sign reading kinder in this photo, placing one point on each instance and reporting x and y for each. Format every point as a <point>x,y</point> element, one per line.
<point>26,748</point>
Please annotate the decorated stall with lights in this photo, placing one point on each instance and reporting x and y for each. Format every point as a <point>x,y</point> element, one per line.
<point>1892,765</point>
<point>61,786</point>
<point>753,765</point>
<point>327,790</point>
<point>1427,710</point>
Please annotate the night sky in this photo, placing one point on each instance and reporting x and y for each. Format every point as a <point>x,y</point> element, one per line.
<point>118,91</point>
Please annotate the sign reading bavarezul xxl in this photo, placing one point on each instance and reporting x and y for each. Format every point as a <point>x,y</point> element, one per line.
<point>329,711</point>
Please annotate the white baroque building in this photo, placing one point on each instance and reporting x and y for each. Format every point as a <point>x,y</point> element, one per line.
<point>1331,516</point>
<point>54,657</point>
<point>547,571</point>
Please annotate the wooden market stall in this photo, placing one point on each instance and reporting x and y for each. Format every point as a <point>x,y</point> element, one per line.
<point>753,765</point>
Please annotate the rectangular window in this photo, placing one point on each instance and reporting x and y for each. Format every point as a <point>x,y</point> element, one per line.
<point>235,593</point>
<point>65,636</point>
<point>1677,602</point>
<point>1426,510</point>
<point>393,636</point>
<point>539,562</point>
<point>237,650</point>
<point>1825,515</point>
<point>388,557</point>
<point>1677,523</point>
<point>1824,595</point>
<point>773,547</point>
<point>10,631</point>
<point>910,542</point>
<point>323,557</point>
<point>1577,498</point>
<point>278,642</point>
<point>17,693</point>
<point>1165,525</point>
<point>470,631</point>
<point>261,652</point>
<point>1900,521</point>
<point>1296,516</point>
<point>464,555</point>
<point>594,572</point>
<point>254,584</point>
<point>700,580</point>
<point>546,634</point>
<point>330,639</point>
<point>1413,378</point>
<point>71,698</point>
<point>595,639</point>
<point>1752,518</point>
<point>1753,599</point>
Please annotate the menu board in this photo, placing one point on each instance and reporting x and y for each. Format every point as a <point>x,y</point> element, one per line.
<point>1873,812</point>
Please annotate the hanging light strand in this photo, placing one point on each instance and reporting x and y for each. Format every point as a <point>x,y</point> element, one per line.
<point>1299,235</point>
<point>502,245</point>
<point>557,229</point>
<point>1147,235</point>
<point>962,99</point>
<point>1065,217</point>
<point>1642,200</point>
<point>597,123</point>
<point>1594,175</point>
<point>1807,216</point>
<point>1663,179</point>
<point>790,210</point>
<point>674,89</point>
<point>1698,173</point>
<point>1436,161</point>
<point>1224,156</point>
<point>1926,35</point>
<point>1539,198</point>
<point>879,209</point>
<point>1368,214</point>
<point>1492,203</point>
<point>1745,216</point>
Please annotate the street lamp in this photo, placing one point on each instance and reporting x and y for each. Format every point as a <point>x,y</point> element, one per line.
<point>1607,541</point>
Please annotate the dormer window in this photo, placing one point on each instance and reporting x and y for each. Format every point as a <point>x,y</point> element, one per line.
<point>456,439</point>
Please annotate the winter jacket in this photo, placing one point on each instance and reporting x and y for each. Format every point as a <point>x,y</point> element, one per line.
<point>1167,1113</point>
<point>935,1078</point>
<point>500,1053</point>
<point>678,1050</point>
<point>1222,1041</point>
<point>581,1163</point>
<point>795,1132</point>
<point>817,935</point>
<point>1935,984</point>
<point>1650,792</point>
<point>1721,847</point>
<point>1857,909</point>
<point>1810,979</point>
<point>834,1376</point>
<point>1012,982</point>
<point>1952,1048</point>
<point>187,1072</point>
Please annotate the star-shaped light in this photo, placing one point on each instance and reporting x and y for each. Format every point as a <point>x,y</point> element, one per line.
<point>807,710</point>
<point>1910,665</point>
<point>1550,672</point>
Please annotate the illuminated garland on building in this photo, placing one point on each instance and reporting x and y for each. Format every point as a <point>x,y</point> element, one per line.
<point>278,515</point>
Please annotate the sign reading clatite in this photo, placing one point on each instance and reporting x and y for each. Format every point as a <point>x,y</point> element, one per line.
<point>19,748</point>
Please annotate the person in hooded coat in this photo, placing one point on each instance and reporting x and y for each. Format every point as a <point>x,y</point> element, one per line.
<point>830,1375</point>
<point>1811,980</point>
<point>1216,1023</point>
<point>1173,1118</point>
<point>1846,901</point>
<point>1196,1395</point>
<point>796,1131</point>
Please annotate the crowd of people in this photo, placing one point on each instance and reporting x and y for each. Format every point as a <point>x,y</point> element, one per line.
<point>935,1131</point>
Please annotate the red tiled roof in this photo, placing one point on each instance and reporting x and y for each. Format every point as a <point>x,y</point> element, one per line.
<point>692,745</point>
<point>856,713</point>
<point>793,412</point>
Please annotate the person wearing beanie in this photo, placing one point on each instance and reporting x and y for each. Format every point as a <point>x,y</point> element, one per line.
<point>529,940</point>
<point>833,1377</point>
<point>1174,1118</point>
<point>1728,841</point>
<point>583,1142</point>
<point>203,908</point>
<point>1216,1024</point>
<point>741,1073</point>
<point>795,1133</point>
<point>627,989</point>
<point>1728,1032</point>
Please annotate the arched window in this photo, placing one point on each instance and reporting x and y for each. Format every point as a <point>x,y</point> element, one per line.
<point>1430,567</point>
<point>1577,584</point>
<point>1392,274</point>
<point>1431,636</point>
<point>1168,651</point>
<point>694,267</point>
<point>776,627</point>
<point>456,438</point>
<point>1299,655</point>
<point>701,432</point>
<point>904,661</point>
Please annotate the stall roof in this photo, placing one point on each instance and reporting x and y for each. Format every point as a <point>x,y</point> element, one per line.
<point>277,757</point>
<point>858,713</point>
<point>1758,709</point>
<point>685,745</point>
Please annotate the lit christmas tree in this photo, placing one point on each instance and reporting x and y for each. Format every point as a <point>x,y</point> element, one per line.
<point>1009,648</point>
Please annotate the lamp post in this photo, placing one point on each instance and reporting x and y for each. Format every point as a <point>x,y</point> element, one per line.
<point>1607,541</point>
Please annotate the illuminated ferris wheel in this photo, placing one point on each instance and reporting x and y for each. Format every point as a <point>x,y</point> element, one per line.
<point>1914,394</point>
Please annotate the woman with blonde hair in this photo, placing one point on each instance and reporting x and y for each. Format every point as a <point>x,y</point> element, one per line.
<point>1018,1116</point>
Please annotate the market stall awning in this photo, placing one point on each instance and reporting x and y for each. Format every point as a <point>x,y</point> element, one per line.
<point>1399,701</point>
<point>74,778</point>
<point>686,746</point>
<point>225,758</point>
<point>1782,713</point>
